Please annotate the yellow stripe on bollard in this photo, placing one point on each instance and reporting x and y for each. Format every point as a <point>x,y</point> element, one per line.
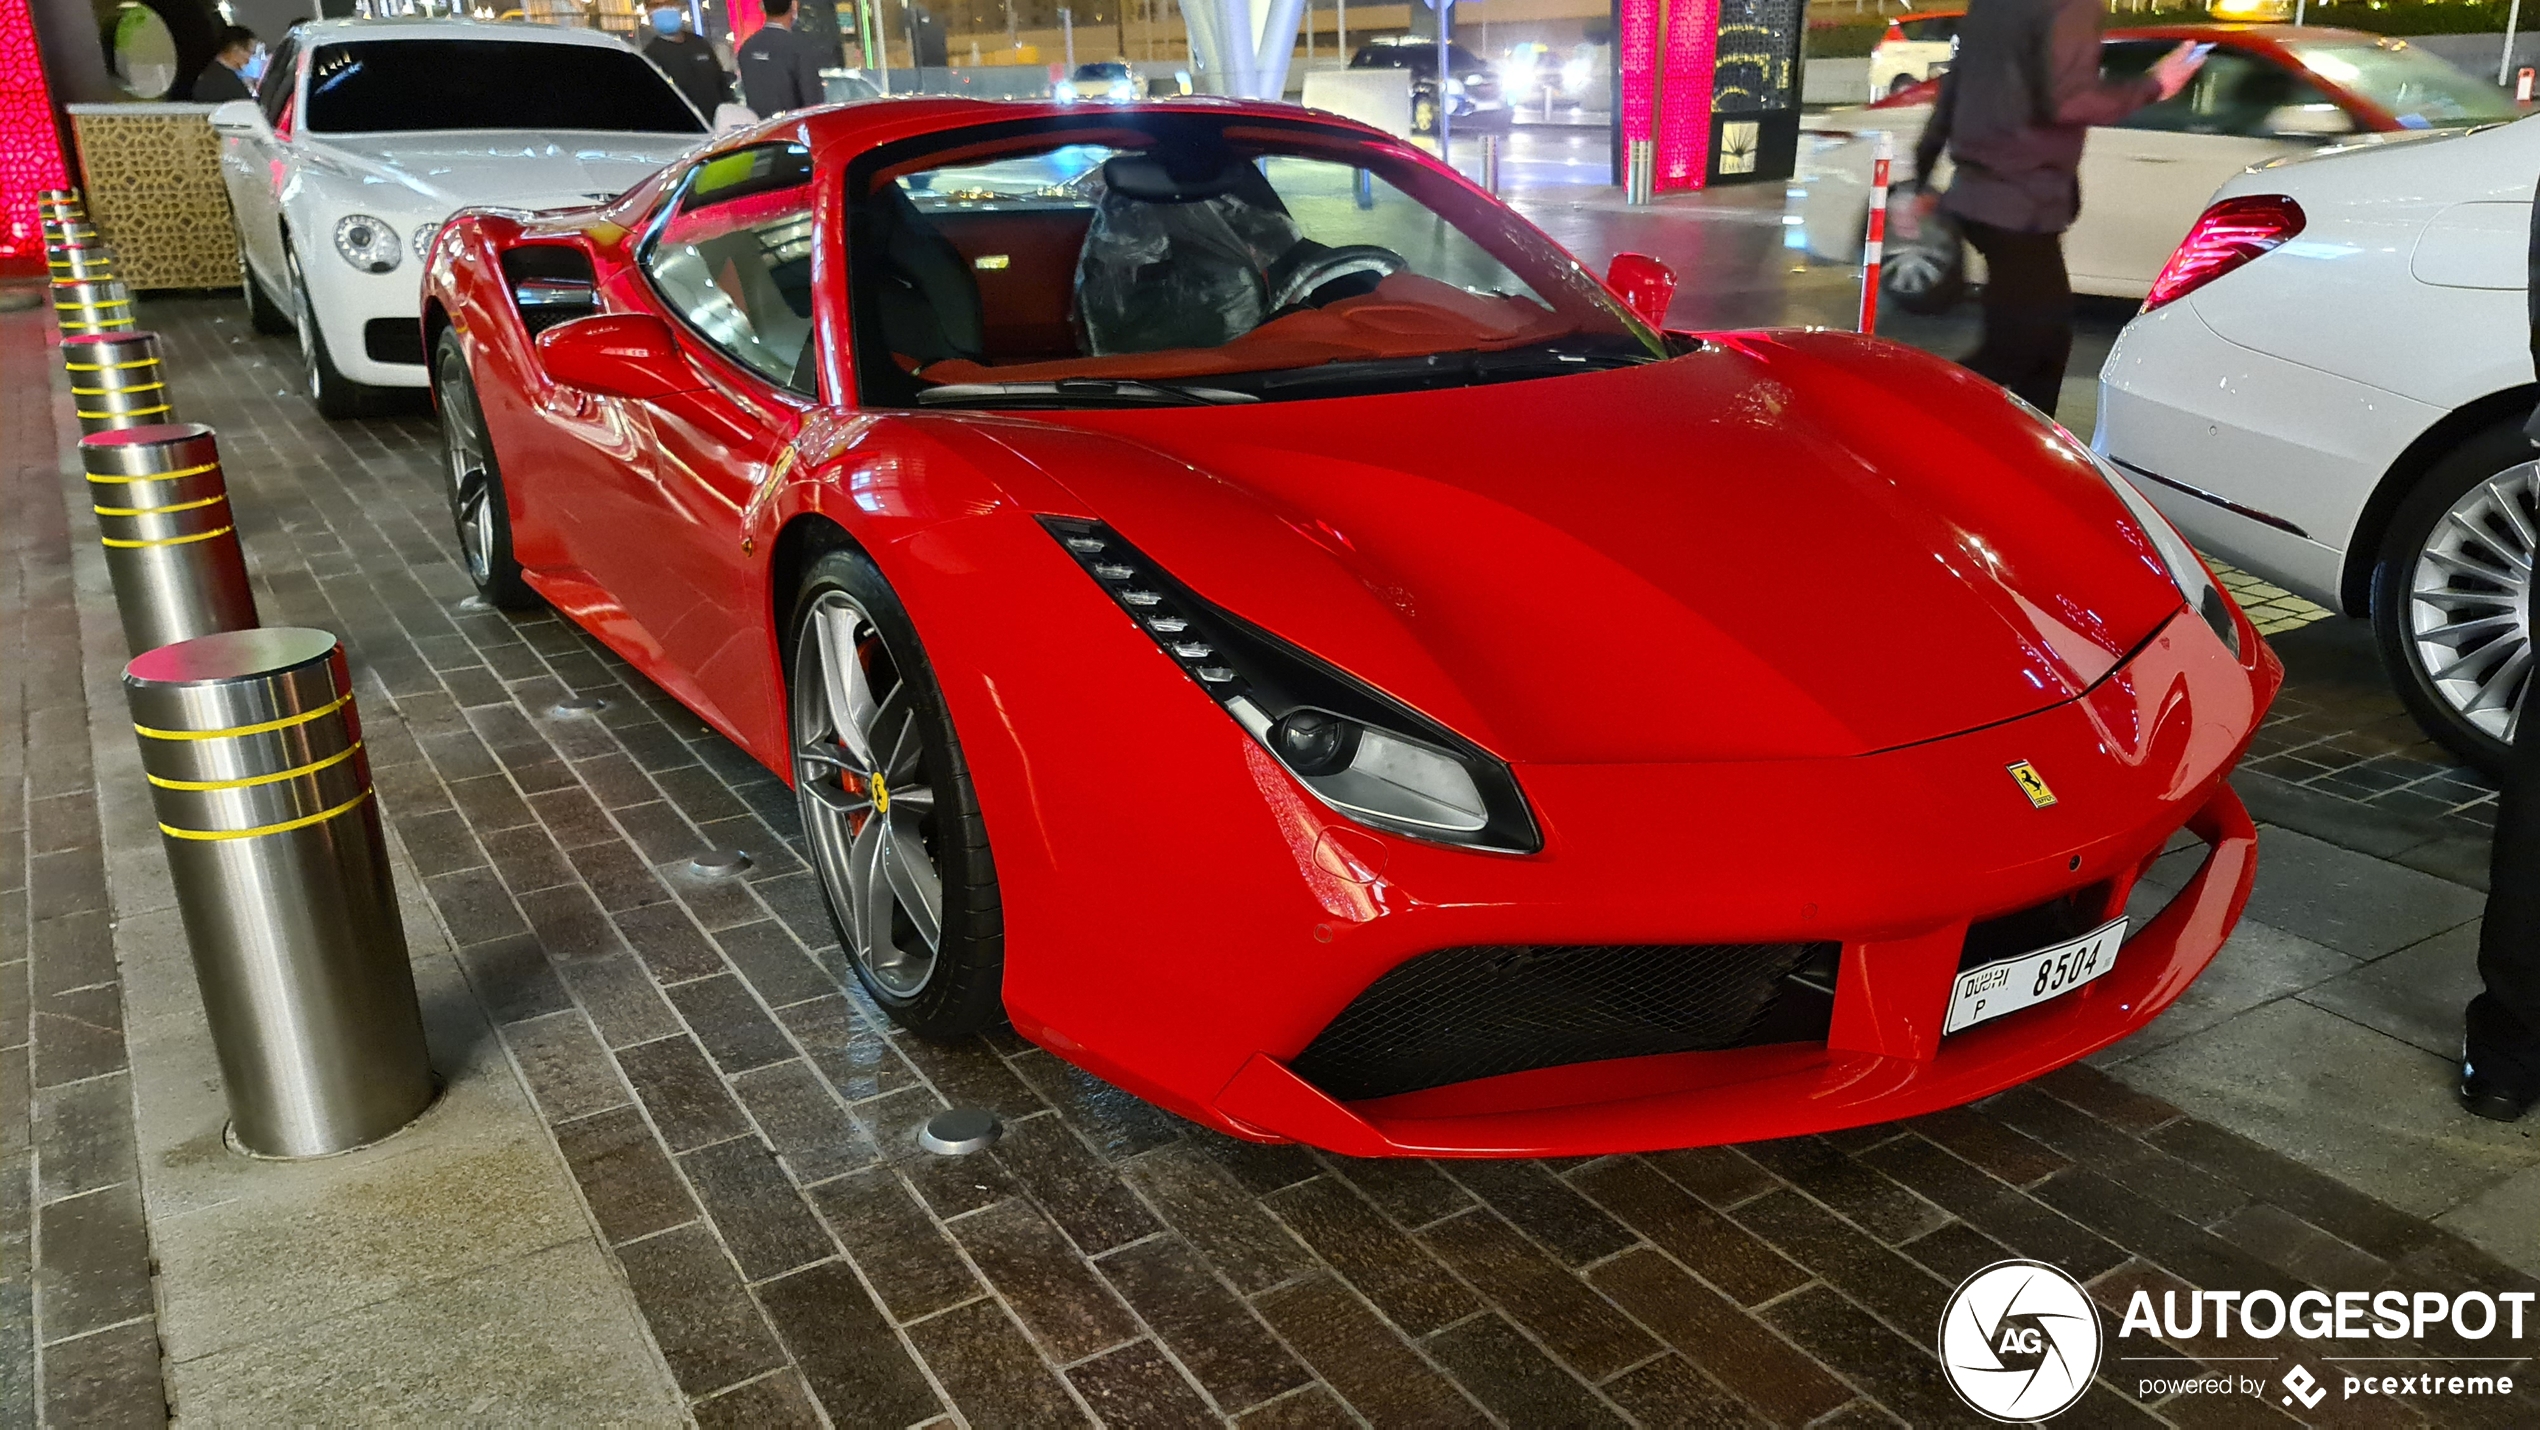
<point>121,544</point>
<point>159,510</point>
<point>285,827</point>
<point>252,781</point>
<point>285,723</point>
<point>158,476</point>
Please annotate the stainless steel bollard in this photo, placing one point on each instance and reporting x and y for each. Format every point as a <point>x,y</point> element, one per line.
<point>1640,171</point>
<point>69,230</point>
<point>264,801</point>
<point>1490,163</point>
<point>89,263</point>
<point>97,306</point>
<point>116,380</point>
<point>163,517</point>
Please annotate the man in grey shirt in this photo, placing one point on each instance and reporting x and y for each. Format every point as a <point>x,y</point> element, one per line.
<point>2013,111</point>
<point>780,70</point>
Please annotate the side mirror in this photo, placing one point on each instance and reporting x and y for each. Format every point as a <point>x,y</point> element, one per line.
<point>2307,121</point>
<point>1645,285</point>
<point>617,355</point>
<point>729,117</point>
<point>238,116</point>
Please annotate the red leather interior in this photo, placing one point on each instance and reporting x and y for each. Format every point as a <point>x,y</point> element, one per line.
<point>1024,306</point>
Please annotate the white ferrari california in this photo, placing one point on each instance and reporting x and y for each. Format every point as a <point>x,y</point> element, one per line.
<point>2329,386</point>
<point>368,133</point>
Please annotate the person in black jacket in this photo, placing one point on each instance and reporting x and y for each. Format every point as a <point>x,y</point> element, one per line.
<point>2500,1047</point>
<point>780,70</point>
<point>222,81</point>
<point>688,58</point>
<point>2013,111</point>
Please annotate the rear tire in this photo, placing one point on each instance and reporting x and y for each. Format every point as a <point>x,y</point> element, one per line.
<point>1900,84</point>
<point>2452,593</point>
<point>888,812</point>
<point>337,396</point>
<point>480,510</point>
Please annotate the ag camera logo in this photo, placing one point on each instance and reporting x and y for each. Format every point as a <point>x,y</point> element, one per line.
<point>2020,1341</point>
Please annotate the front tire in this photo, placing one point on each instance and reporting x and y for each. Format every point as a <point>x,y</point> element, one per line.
<point>2452,594</point>
<point>263,314</point>
<point>1925,268</point>
<point>480,510</point>
<point>893,824</point>
<point>337,396</point>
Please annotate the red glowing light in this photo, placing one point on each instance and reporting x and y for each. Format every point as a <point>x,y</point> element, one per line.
<point>30,149</point>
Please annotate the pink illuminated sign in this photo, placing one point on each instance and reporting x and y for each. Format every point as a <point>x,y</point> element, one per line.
<point>30,151</point>
<point>1671,103</point>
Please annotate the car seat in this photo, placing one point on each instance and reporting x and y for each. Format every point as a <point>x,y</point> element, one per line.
<point>1182,264</point>
<point>924,295</point>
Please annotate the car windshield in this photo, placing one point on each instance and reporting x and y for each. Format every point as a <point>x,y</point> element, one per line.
<point>2420,89</point>
<point>1157,258</point>
<point>382,86</point>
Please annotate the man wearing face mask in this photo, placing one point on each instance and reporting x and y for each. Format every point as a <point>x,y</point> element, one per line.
<point>234,66</point>
<point>688,58</point>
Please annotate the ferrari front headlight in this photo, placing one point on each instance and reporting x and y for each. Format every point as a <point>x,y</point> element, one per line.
<point>2179,560</point>
<point>1358,750</point>
<point>368,244</point>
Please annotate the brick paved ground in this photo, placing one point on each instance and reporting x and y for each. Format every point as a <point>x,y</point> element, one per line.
<point>742,1129</point>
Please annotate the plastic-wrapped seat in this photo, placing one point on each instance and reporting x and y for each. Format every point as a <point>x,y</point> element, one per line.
<point>1186,270</point>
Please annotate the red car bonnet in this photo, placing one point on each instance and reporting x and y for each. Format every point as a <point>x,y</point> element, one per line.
<point>1655,564</point>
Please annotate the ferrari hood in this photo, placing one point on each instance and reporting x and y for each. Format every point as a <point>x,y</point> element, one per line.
<point>1782,546</point>
<point>516,168</point>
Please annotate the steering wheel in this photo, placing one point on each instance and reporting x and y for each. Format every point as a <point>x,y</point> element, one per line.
<point>1333,264</point>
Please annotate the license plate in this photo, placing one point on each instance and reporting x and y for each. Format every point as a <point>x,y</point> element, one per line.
<point>2032,978</point>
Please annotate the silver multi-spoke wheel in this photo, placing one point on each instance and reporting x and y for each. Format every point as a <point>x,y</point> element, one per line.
<point>304,325</point>
<point>2469,599</point>
<point>463,437</point>
<point>868,802</point>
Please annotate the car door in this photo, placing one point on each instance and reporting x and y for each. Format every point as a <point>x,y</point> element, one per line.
<point>2144,181</point>
<point>256,166</point>
<point>731,260</point>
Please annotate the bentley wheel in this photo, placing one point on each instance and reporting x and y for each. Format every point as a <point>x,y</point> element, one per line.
<point>887,807</point>
<point>1925,267</point>
<point>336,395</point>
<point>479,512</point>
<point>263,314</point>
<point>2451,600</point>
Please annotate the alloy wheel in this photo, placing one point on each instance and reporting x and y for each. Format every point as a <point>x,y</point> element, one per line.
<point>2469,600</point>
<point>463,437</point>
<point>868,799</point>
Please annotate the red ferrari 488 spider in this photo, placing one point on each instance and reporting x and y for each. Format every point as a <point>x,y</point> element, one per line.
<point>1244,604</point>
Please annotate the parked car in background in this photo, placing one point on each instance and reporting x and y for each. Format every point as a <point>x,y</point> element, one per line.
<point>2266,92</point>
<point>1472,88</point>
<point>1205,545</point>
<point>2328,387</point>
<point>1111,80</point>
<point>1916,47</point>
<point>366,134</point>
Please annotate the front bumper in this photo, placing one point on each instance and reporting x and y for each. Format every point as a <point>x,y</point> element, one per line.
<point>1241,949</point>
<point>347,304</point>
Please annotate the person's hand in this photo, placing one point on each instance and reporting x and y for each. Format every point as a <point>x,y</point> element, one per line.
<point>2176,68</point>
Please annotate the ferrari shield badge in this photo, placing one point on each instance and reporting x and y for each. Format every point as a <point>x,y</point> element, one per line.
<point>2031,783</point>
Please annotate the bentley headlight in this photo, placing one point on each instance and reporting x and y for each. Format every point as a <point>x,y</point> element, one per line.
<point>367,243</point>
<point>424,234</point>
<point>1354,747</point>
<point>2186,569</point>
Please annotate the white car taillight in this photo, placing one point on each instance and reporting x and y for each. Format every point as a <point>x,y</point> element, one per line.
<point>2227,235</point>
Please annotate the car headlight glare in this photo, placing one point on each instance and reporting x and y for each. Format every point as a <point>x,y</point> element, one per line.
<point>1358,750</point>
<point>2186,569</point>
<point>368,244</point>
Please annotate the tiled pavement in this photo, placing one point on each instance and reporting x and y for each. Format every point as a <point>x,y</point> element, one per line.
<point>742,1130</point>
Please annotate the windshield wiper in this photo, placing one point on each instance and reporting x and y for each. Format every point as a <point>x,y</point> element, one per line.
<point>1077,392</point>
<point>1470,365</point>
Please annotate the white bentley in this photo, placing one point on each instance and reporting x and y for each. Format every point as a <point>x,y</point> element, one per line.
<point>368,134</point>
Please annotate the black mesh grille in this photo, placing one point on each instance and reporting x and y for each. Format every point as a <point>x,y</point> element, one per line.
<point>2057,920</point>
<point>393,339</point>
<point>1464,1013</point>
